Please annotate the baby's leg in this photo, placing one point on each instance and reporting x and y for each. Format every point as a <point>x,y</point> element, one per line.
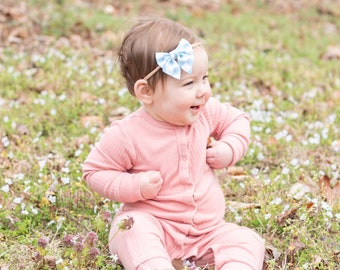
<point>238,248</point>
<point>142,246</point>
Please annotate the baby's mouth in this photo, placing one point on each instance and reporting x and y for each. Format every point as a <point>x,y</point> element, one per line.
<point>194,107</point>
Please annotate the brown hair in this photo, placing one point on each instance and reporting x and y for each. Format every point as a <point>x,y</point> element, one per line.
<point>149,35</point>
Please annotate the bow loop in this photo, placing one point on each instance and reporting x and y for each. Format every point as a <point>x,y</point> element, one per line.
<point>172,62</point>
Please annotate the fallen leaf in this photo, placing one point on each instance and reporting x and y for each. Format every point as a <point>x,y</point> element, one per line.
<point>296,245</point>
<point>235,170</point>
<point>332,53</point>
<point>92,121</point>
<point>177,264</point>
<point>288,214</point>
<point>22,129</point>
<point>299,190</point>
<point>272,253</point>
<point>331,194</point>
<point>243,205</point>
<point>118,113</point>
<point>336,146</point>
<point>88,97</point>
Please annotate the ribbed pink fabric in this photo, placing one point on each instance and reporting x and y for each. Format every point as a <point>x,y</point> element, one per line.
<point>190,201</point>
<point>139,143</point>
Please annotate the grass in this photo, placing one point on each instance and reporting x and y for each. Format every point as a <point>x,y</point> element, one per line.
<point>59,86</point>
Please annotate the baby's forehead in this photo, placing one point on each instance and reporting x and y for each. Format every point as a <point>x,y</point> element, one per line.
<point>200,56</point>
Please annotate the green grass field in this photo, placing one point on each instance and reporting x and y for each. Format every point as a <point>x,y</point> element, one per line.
<point>60,86</point>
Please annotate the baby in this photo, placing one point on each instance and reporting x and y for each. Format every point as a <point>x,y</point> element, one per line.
<point>157,163</point>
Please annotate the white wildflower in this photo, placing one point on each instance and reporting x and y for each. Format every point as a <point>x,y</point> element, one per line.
<point>114,258</point>
<point>276,201</point>
<point>331,118</point>
<point>78,152</point>
<point>267,216</point>
<point>289,137</point>
<point>62,97</point>
<point>280,135</point>
<point>5,141</point>
<point>60,221</point>
<point>306,162</point>
<point>53,112</point>
<point>111,81</point>
<point>65,170</point>
<point>17,200</point>
<point>294,162</point>
<point>101,101</point>
<point>19,176</point>
<point>34,210</point>
<point>260,156</point>
<point>315,139</point>
<point>52,198</point>
<point>42,164</point>
<point>285,171</point>
<point>303,217</point>
<point>8,181</point>
<point>50,223</point>
<point>255,171</point>
<point>59,261</point>
<point>65,180</point>
<point>238,218</point>
<point>99,83</point>
<point>5,188</point>
<point>286,207</point>
<point>337,216</point>
<point>122,91</point>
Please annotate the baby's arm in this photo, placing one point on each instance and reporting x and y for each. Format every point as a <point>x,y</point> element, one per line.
<point>107,170</point>
<point>232,134</point>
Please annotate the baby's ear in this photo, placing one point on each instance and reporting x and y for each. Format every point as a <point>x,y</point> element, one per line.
<point>143,91</point>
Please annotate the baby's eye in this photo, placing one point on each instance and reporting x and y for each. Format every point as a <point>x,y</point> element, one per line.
<point>189,83</point>
<point>206,77</point>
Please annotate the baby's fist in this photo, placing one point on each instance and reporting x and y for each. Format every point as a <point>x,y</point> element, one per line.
<point>219,155</point>
<point>151,183</point>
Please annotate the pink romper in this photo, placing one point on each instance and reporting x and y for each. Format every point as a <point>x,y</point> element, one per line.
<point>186,220</point>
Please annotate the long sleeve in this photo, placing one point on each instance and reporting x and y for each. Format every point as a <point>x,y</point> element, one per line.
<point>106,168</point>
<point>230,125</point>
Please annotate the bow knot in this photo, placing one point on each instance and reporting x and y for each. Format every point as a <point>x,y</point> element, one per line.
<point>172,62</point>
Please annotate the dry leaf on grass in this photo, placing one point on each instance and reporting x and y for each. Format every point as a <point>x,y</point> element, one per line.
<point>272,253</point>
<point>235,170</point>
<point>243,205</point>
<point>332,53</point>
<point>300,189</point>
<point>92,121</point>
<point>296,245</point>
<point>331,194</point>
<point>288,214</point>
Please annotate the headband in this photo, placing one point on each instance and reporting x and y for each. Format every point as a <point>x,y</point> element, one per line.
<point>171,63</point>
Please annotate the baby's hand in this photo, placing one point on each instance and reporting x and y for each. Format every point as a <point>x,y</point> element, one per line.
<point>151,184</point>
<point>219,155</point>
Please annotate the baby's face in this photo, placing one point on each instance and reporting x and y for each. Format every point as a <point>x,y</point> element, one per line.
<point>180,102</point>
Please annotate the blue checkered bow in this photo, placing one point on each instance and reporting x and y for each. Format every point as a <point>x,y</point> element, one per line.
<point>172,62</point>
